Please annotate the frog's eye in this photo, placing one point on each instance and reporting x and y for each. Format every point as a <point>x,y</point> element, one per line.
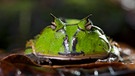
<point>53,26</point>
<point>57,24</point>
<point>85,23</point>
<point>88,25</point>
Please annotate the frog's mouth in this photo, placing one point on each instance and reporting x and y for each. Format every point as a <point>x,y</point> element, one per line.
<point>74,53</point>
<point>64,60</point>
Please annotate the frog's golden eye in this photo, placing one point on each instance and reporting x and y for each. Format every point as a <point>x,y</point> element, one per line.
<point>88,25</point>
<point>85,23</point>
<point>57,24</point>
<point>53,25</point>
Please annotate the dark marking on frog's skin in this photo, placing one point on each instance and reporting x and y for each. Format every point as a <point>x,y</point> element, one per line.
<point>67,52</point>
<point>65,43</point>
<point>74,44</point>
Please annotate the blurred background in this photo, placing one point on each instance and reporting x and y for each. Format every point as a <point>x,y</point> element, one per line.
<point>21,20</point>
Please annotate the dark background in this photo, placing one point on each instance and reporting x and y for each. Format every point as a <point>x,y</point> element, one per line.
<point>21,20</point>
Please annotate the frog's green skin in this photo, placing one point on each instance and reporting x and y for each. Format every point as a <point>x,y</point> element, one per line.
<point>71,39</point>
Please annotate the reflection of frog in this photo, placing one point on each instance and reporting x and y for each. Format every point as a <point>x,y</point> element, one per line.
<point>72,40</point>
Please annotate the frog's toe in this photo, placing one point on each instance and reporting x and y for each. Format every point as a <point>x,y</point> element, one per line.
<point>39,59</point>
<point>111,58</point>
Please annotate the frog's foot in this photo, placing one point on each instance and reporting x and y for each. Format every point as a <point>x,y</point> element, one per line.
<point>39,59</point>
<point>111,58</point>
<point>44,61</point>
<point>71,53</point>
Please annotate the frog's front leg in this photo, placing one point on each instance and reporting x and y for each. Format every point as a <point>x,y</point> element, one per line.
<point>111,58</point>
<point>114,55</point>
<point>36,57</point>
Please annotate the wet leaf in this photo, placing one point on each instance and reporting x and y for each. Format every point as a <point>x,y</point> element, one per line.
<point>7,69</point>
<point>22,65</point>
<point>28,70</point>
<point>19,59</point>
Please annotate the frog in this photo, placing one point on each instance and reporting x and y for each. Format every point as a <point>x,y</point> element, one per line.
<point>71,41</point>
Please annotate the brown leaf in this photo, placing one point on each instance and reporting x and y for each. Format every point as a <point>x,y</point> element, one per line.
<point>7,69</point>
<point>23,66</point>
<point>18,58</point>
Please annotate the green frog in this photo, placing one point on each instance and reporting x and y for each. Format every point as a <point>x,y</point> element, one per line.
<point>72,40</point>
